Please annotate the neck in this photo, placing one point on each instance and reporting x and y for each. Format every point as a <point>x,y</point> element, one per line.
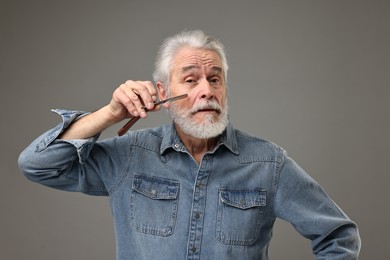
<point>195,146</point>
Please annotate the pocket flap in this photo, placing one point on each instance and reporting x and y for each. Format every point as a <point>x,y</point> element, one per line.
<point>243,198</point>
<point>156,187</point>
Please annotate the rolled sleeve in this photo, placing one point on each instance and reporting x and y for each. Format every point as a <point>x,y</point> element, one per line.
<point>83,146</point>
<point>52,162</point>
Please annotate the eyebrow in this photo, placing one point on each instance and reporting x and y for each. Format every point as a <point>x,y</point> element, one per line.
<point>215,69</point>
<point>189,68</point>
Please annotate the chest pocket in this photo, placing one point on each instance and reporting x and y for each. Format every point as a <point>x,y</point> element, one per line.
<point>239,215</point>
<point>154,205</point>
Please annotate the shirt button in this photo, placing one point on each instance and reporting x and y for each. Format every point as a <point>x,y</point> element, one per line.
<point>197,215</point>
<point>193,249</point>
<point>176,145</point>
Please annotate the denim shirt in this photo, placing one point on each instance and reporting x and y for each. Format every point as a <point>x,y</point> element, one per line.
<point>166,206</point>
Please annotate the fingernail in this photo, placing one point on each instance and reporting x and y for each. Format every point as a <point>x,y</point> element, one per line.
<point>150,105</point>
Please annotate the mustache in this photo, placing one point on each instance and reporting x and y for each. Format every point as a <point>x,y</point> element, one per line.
<point>206,105</point>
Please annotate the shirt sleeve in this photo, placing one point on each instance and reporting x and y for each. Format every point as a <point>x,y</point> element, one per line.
<point>63,164</point>
<point>301,201</point>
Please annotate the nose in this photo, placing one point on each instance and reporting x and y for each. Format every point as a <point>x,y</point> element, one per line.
<point>205,89</point>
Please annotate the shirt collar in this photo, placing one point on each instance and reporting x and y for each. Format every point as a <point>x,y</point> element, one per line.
<point>172,140</point>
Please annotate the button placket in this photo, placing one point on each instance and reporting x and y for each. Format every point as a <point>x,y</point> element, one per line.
<point>198,208</point>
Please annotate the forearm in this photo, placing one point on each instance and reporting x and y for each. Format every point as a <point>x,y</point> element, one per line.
<point>89,125</point>
<point>129,99</point>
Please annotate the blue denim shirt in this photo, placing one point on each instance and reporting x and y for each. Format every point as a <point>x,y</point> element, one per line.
<point>166,206</point>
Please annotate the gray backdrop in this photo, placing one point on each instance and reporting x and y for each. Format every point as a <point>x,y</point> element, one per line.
<point>311,76</point>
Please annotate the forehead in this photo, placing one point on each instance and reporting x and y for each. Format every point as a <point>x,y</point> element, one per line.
<point>195,58</point>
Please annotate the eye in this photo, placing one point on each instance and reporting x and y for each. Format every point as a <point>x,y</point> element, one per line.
<point>190,80</point>
<point>215,80</point>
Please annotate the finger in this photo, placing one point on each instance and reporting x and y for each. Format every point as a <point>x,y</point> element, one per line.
<point>148,93</point>
<point>141,94</point>
<point>135,100</point>
<point>128,99</point>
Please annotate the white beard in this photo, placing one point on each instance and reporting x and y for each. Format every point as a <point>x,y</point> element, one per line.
<point>209,127</point>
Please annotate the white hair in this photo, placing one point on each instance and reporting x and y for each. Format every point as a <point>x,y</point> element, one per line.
<point>195,39</point>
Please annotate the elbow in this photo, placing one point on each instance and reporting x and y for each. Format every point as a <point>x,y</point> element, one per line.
<point>29,165</point>
<point>344,242</point>
<point>351,244</point>
<point>348,239</point>
<point>357,243</point>
<point>25,163</point>
<point>351,241</point>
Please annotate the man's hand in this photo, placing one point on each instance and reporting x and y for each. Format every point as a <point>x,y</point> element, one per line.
<point>131,98</point>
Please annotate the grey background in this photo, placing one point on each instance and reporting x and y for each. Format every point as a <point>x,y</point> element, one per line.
<point>311,76</point>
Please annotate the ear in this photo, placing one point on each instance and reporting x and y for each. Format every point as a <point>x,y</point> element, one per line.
<point>162,93</point>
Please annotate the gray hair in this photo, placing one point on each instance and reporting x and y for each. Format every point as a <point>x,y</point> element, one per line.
<point>195,39</point>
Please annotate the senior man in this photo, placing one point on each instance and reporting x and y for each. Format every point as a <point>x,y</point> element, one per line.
<point>193,189</point>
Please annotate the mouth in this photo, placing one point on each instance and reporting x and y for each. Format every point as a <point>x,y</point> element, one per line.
<point>207,110</point>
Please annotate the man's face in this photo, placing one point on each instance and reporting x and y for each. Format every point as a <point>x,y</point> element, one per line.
<point>199,73</point>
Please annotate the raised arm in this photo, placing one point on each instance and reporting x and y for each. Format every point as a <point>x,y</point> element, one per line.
<point>68,157</point>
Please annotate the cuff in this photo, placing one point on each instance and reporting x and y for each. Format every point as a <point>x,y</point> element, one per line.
<point>83,146</point>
